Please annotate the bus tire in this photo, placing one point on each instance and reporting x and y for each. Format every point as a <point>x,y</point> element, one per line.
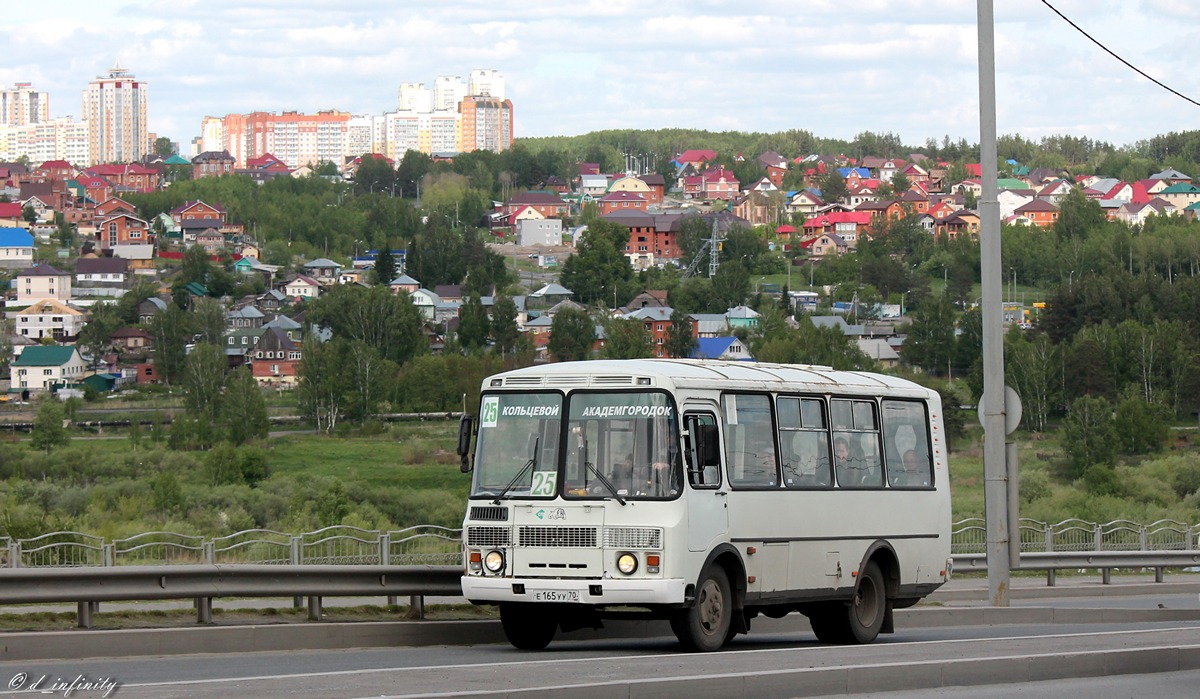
<point>869,606</point>
<point>705,625</point>
<point>527,626</point>
<point>858,621</point>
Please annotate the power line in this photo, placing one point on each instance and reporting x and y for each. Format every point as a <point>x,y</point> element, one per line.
<point>1109,51</point>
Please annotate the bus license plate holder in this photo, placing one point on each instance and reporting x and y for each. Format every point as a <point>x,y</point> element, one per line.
<point>570,596</point>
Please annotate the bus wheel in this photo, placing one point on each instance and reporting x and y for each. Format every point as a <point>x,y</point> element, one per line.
<point>867,610</point>
<point>528,626</point>
<point>856,622</point>
<point>705,625</point>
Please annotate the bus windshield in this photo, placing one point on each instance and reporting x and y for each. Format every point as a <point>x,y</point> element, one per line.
<point>517,450</point>
<point>621,445</point>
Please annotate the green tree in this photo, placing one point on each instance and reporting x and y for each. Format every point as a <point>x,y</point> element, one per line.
<point>388,322</point>
<point>196,266</point>
<point>172,330</point>
<point>680,339</point>
<point>203,381</point>
<point>48,429</point>
<point>163,147</point>
<point>730,285</point>
<point>369,379</point>
<point>324,382</point>
<point>1141,427</point>
<point>1078,216</point>
<point>473,325</point>
<point>930,342</point>
<point>626,338</point>
<point>385,266</point>
<point>504,325</point>
<point>599,267</point>
<point>29,214</point>
<point>1088,435</point>
<point>243,415</point>
<point>572,334</point>
<point>832,185</point>
<point>95,337</point>
<point>224,466</point>
<point>209,320</point>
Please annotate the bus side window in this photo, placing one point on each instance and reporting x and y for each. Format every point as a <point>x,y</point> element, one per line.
<point>703,455</point>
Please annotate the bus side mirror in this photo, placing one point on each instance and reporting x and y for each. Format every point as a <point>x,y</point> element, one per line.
<point>465,426</point>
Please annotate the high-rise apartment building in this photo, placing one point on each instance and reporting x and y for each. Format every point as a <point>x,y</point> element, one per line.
<point>57,139</point>
<point>486,83</point>
<point>294,138</point>
<point>23,105</point>
<point>487,124</point>
<point>114,108</point>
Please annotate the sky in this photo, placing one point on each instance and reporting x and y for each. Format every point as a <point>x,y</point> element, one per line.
<point>833,67</point>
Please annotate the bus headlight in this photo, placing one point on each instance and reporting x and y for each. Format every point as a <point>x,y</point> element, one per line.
<point>494,561</point>
<point>627,563</point>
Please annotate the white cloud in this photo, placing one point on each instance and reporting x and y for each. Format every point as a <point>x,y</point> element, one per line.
<point>828,66</point>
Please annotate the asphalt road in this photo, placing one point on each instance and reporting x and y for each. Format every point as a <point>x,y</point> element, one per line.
<point>786,661</point>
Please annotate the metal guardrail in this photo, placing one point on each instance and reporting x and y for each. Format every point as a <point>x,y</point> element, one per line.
<point>427,560</point>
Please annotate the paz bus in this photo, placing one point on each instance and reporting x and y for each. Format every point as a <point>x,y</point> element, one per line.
<point>704,493</point>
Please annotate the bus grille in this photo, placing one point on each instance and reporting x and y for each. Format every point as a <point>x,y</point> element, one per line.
<point>489,514</point>
<point>488,536</point>
<point>566,537</point>
<point>632,538</point>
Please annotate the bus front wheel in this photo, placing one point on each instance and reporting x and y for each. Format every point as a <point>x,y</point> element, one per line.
<point>859,621</point>
<point>705,625</point>
<point>527,626</point>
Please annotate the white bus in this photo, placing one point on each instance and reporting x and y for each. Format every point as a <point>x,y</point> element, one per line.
<point>704,493</point>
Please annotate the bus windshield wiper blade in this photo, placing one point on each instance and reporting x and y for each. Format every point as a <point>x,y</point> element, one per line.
<point>607,484</point>
<point>528,465</point>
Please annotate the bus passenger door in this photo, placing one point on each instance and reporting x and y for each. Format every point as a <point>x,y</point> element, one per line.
<point>707,499</point>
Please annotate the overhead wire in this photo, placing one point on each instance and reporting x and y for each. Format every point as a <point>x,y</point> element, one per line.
<point>1110,52</point>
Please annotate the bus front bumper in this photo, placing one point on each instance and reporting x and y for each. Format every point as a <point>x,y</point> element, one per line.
<point>607,592</point>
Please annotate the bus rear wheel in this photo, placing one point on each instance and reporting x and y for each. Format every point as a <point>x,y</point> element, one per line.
<point>528,626</point>
<point>859,621</point>
<point>705,625</point>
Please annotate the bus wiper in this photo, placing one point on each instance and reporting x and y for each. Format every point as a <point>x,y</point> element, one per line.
<point>528,465</point>
<point>607,484</point>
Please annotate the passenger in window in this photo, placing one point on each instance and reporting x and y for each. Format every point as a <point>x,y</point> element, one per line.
<point>915,472</point>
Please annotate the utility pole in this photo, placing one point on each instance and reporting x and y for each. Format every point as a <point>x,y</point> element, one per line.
<point>995,469</point>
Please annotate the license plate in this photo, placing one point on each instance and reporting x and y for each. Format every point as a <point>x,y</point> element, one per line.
<point>556,596</point>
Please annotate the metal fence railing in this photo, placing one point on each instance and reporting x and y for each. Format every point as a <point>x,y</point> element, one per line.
<point>969,536</point>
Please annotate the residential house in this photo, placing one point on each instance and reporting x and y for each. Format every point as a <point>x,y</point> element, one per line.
<point>149,308</point>
<point>879,350</point>
<point>101,276</point>
<point>826,245</point>
<point>211,239</point>
<point>1039,211</point>
<point>16,248</point>
<point>11,214</point>
<point>849,225</point>
<point>755,207</point>
<point>962,222</point>
<point>742,317</point>
<point>709,324</point>
<point>131,340</point>
<point>1137,213</point>
<point>593,187</point>
<point>403,283</point>
<point>636,185</point>
<point>212,164</point>
<point>124,233</point>
<point>727,348</point>
<point>48,318</point>
<point>719,183</point>
<point>651,236</point>
<point>1012,199</point>
<point>615,201</point>
<point>804,202</point>
<point>127,178</point>
<point>543,231</point>
<point>658,187</point>
<point>696,158</point>
<point>275,360</point>
<point>42,281</point>
<point>111,207</point>
<point>650,298</point>
<point>775,167</point>
<point>41,368</point>
<point>425,301</point>
<point>292,329</point>
<point>324,270</point>
<point>548,204</point>
<point>302,287</point>
<point>244,317</point>
<point>657,321</point>
<point>549,295</point>
<point>1181,195</point>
